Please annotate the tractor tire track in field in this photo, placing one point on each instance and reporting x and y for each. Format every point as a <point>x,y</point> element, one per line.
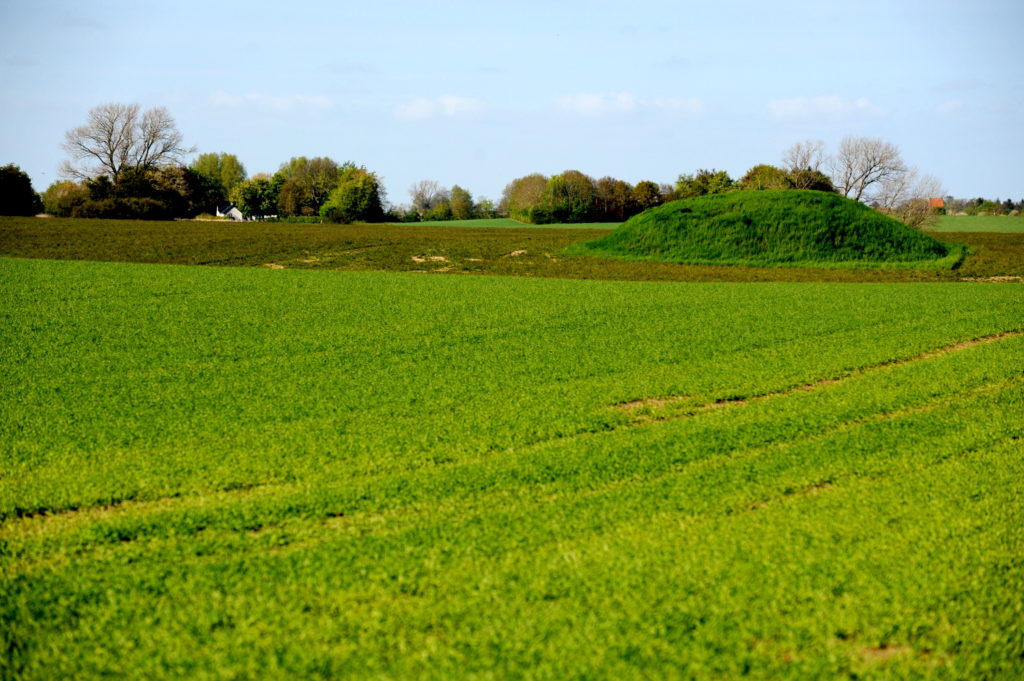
<point>106,523</point>
<point>83,514</point>
<point>113,527</point>
<point>42,521</point>
<point>642,408</point>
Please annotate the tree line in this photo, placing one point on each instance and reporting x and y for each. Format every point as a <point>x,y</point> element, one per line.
<point>982,206</point>
<point>128,163</point>
<point>573,196</point>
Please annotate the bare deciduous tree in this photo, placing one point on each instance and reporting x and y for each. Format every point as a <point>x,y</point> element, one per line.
<point>426,194</point>
<point>117,137</point>
<point>806,155</point>
<point>906,196</point>
<point>863,162</point>
<point>803,162</point>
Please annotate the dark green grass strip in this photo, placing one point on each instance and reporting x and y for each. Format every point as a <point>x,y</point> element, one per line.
<point>425,249</point>
<point>509,223</point>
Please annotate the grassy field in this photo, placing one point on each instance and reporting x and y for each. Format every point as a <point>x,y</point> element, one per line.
<point>980,223</point>
<point>416,248</point>
<point>214,473</point>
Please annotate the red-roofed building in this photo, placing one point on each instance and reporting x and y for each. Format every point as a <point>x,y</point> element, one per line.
<point>936,203</point>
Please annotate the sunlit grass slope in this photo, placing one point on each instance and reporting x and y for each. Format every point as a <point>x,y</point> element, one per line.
<point>236,473</point>
<point>766,228</point>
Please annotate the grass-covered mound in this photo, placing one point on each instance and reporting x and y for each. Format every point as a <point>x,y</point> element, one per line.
<point>771,228</point>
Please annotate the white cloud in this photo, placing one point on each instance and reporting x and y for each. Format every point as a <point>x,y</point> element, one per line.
<point>286,103</point>
<point>829,107</point>
<point>679,104</point>
<point>226,100</point>
<point>446,106</point>
<point>951,107</point>
<point>601,104</point>
<point>596,104</point>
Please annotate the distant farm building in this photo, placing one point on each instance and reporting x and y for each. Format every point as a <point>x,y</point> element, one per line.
<point>226,209</point>
<point>936,203</point>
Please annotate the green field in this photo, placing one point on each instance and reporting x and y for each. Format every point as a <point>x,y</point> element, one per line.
<point>214,473</point>
<point>980,223</point>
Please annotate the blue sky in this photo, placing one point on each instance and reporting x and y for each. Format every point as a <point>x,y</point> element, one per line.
<point>476,94</point>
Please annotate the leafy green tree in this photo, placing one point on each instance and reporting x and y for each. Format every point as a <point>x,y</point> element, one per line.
<point>305,184</point>
<point>135,182</point>
<point>646,194</point>
<point>523,197</point>
<point>613,200</point>
<point>292,200</point>
<point>16,194</point>
<point>99,188</point>
<point>765,176</point>
<point>63,196</point>
<point>569,197</point>
<point>704,182</point>
<point>442,210</point>
<point>137,194</point>
<point>185,192</point>
<point>461,202</point>
<point>168,191</point>
<point>257,196</point>
<point>358,197</point>
<point>990,208</point>
<point>485,208</point>
<point>220,169</point>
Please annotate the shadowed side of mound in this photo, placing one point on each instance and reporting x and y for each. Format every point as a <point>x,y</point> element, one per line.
<point>791,228</point>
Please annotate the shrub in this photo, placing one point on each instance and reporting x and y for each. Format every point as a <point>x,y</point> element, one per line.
<point>16,194</point>
<point>123,209</point>
<point>765,176</point>
<point>814,180</point>
<point>335,215</point>
<point>61,198</point>
<point>703,183</point>
<point>356,198</point>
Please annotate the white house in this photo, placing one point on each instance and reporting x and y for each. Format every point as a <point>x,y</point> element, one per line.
<point>226,209</point>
